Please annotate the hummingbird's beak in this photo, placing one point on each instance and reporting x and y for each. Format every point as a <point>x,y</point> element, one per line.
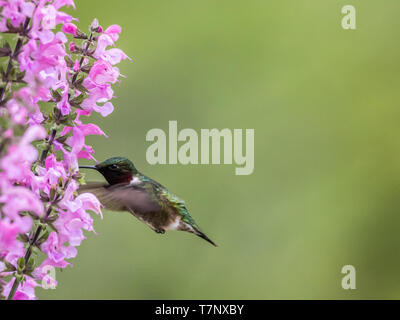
<point>88,167</point>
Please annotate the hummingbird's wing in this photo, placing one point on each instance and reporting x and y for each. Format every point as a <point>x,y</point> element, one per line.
<point>122,197</point>
<point>143,204</point>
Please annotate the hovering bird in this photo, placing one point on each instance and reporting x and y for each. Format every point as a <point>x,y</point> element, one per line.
<point>129,190</point>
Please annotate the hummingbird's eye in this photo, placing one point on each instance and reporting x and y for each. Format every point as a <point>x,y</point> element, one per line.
<point>114,166</point>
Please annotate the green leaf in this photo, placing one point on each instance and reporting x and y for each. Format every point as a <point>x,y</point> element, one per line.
<point>67,147</point>
<point>19,277</point>
<point>21,265</point>
<point>50,224</point>
<point>69,61</point>
<point>80,35</point>
<point>30,264</point>
<point>52,193</point>
<point>56,95</point>
<point>81,88</point>
<point>43,238</point>
<point>81,179</point>
<point>5,51</point>
<point>9,266</point>
<point>44,196</point>
<point>86,68</point>
<point>52,218</point>
<point>77,101</point>
<point>23,237</point>
<point>62,139</point>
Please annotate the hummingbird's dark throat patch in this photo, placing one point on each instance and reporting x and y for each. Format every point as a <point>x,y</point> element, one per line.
<point>116,176</point>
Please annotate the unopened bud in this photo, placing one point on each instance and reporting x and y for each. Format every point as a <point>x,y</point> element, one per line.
<point>72,47</point>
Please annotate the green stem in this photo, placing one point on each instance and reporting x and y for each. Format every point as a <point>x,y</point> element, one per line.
<point>46,151</point>
<point>28,254</point>
<point>83,57</point>
<point>13,56</point>
<point>13,289</point>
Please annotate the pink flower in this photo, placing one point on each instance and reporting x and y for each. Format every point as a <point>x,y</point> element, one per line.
<point>91,129</point>
<point>16,164</point>
<point>27,8</point>
<point>45,62</point>
<point>64,104</point>
<point>102,72</point>
<point>14,13</point>
<point>56,250</point>
<point>43,273</point>
<point>103,42</point>
<point>105,110</point>
<point>70,28</point>
<point>10,229</point>
<point>33,133</point>
<point>113,56</point>
<point>113,31</point>
<point>98,94</point>
<point>61,3</point>
<point>18,112</point>
<point>19,199</point>
<point>89,202</point>
<point>26,290</point>
<point>49,17</point>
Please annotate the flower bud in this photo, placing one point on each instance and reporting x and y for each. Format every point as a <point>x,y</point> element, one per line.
<point>72,47</point>
<point>70,28</point>
<point>94,25</point>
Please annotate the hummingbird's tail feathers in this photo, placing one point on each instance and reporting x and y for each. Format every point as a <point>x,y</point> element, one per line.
<point>203,236</point>
<point>194,228</point>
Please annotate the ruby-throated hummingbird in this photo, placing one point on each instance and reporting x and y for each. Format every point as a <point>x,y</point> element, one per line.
<point>129,190</point>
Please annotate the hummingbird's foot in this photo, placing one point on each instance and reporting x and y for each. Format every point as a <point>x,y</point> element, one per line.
<point>160,231</point>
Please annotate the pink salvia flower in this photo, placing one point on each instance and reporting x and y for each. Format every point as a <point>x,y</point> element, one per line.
<point>113,31</point>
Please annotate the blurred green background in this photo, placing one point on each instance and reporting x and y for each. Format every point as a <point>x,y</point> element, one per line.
<point>325,192</point>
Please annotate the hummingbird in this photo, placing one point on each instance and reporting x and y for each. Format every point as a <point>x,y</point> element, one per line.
<point>129,190</point>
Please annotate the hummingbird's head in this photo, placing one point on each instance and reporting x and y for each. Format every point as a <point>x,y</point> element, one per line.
<point>115,170</point>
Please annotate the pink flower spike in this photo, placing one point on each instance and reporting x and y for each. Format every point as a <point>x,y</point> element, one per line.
<point>32,180</point>
<point>70,28</point>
